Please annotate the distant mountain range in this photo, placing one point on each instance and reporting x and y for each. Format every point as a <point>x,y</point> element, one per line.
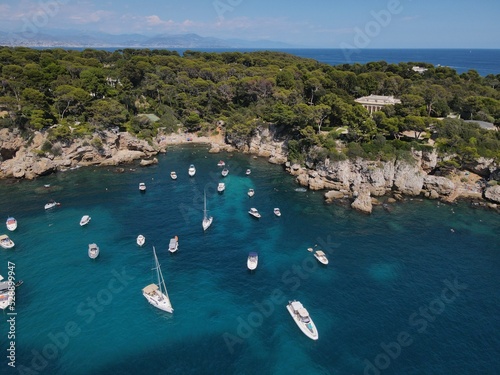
<point>92,39</point>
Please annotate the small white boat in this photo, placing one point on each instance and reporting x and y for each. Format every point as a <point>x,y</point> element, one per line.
<point>253,211</point>
<point>224,172</point>
<point>84,220</point>
<point>141,240</point>
<point>301,190</point>
<point>173,245</point>
<point>6,293</point>
<point>6,242</point>
<point>142,186</point>
<point>207,220</point>
<point>252,261</point>
<point>11,223</point>
<point>192,170</point>
<point>251,192</point>
<point>221,187</point>
<point>156,294</point>
<point>93,251</point>
<point>277,212</point>
<point>221,163</point>
<point>301,317</point>
<point>321,257</point>
<point>248,171</point>
<point>173,175</point>
<point>51,204</point>
<point>46,185</point>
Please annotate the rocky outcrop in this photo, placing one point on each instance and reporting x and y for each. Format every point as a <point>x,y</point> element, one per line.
<point>30,160</point>
<point>266,141</point>
<point>492,193</point>
<point>436,185</point>
<point>363,202</point>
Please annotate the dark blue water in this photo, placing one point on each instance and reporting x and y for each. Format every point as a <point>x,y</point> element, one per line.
<point>403,293</point>
<point>484,61</point>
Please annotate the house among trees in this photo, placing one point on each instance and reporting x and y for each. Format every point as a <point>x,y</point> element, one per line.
<point>374,103</point>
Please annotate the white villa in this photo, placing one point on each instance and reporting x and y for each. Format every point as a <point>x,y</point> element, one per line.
<point>375,103</point>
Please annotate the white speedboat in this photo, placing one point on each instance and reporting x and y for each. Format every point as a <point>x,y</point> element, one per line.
<point>277,211</point>
<point>51,204</point>
<point>207,220</point>
<point>321,257</point>
<point>251,192</point>
<point>93,251</point>
<point>248,171</point>
<point>192,170</point>
<point>301,317</point>
<point>11,223</point>
<point>156,294</point>
<point>173,175</point>
<point>224,172</point>
<point>6,293</point>
<point>6,242</point>
<point>84,220</point>
<point>253,211</point>
<point>142,186</point>
<point>173,245</point>
<point>221,187</point>
<point>252,261</point>
<point>221,163</point>
<point>141,240</point>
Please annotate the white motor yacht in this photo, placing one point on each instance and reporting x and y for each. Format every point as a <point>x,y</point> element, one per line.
<point>142,186</point>
<point>11,223</point>
<point>6,242</point>
<point>84,220</point>
<point>173,175</point>
<point>141,240</point>
<point>301,317</point>
<point>221,187</point>
<point>224,172</point>
<point>252,260</point>
<point>93,251</point>
<point>251,192</point>
<point>321,257</point>
<point>173,245</point>
<point>51,204</point>
<point>277,211</point>
<point>253,211</point>
<point>192,170</point>
<point>248,171</point>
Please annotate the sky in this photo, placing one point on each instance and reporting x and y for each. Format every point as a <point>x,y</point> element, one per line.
<point>311,23</point>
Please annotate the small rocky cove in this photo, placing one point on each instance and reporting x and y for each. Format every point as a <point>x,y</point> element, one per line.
<point>363,183</point>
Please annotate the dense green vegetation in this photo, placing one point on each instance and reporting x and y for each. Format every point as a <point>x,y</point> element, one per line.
<point>74,93</point>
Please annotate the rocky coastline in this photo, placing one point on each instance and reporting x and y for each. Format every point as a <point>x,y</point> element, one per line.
<point>362,183</point>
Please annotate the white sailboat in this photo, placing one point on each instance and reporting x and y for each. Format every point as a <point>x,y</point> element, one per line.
<point>156,294</point>
<point>207,220</point>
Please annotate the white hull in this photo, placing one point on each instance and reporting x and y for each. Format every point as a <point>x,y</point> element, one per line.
<point>192,170</point>
<point>252,262</point>
<point>308,328</point>
<point>11,224</point>
<point>160,301</point>
<point>173,176</point>
<point>141,240</point>
<point>224,172</point>
<point>93,251</point>
<point>156,294</point>
<point>207,222</point>
<point>221,187</point>
<point>248,172</point>
<point>85,220</point>
<point>50,205</point>
<point>254,213</point>
<point>173,246</point>
<point>277,212</point>
<point>251,192</point>
<point>142,186</point>
<point>6,242</point>
<point>321,257</point>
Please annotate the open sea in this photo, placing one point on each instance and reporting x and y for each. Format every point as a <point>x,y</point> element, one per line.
<point>413,290</point>
<point>484,61</point>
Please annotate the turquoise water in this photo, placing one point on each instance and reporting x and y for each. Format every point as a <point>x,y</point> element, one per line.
<point>387,284</point>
